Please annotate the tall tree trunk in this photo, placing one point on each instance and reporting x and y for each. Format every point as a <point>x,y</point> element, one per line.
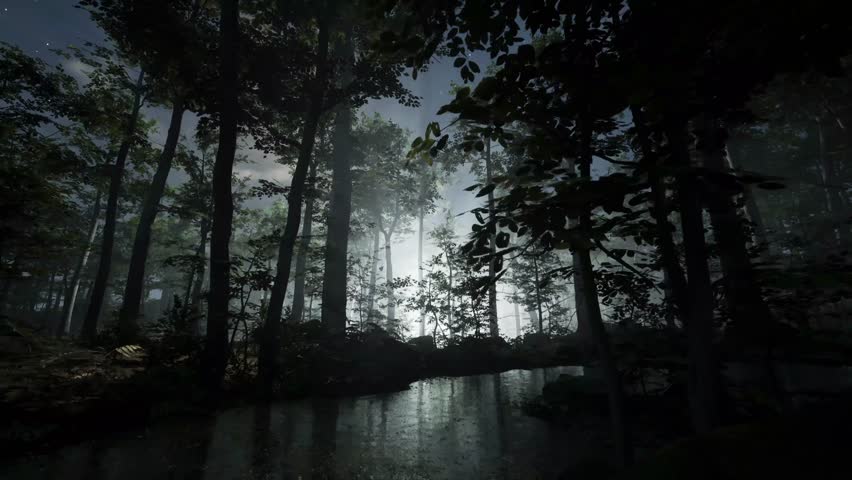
<point>34,294</point>
<point>129,313</point>
<point>71,293</point>
<point>517,317</point>
<point>267,369</point>
<point>420,214</point>
<point>333,314</point>
<point>166,298</point>
<point>833,198</point>
<point>538,296</point>
<point>90,324</point>
<point>588,291</point>
<point>195,298</point>
<point>373,274</point>
<point>303,251</point>
<point>675,278</point>
<point>196,272</point>
<point>532,312</point>
<point>192,297</point>
<point>493,324</point>
<point>59,295</point>
<point>700,328</point>
<point>582,331</point>
<point>449,295</point>
<point>752,210</point>
<point>219,299</point>
<point>389,280</point>
<point>743,294</point>
<point>48,304</point>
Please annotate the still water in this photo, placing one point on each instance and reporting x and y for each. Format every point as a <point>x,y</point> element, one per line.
<point>444,428</point>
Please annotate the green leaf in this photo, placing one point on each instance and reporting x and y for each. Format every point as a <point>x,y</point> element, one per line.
<point>502,240</point>
<point>485,191</point>
<point>526,53</point>
<point>443,141</point>
<point>459,62</point>
<point>473,67</point>
<point>486,89</point>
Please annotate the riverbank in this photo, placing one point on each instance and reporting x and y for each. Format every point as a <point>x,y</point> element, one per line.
<point>56,392</point>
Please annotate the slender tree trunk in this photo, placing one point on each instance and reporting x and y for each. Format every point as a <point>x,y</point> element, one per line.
<point>216,343</point>
<point>90,324</point>
<point>59,296</point>
<point>389,280</point>
<point>582,331</point>
<point>267,369</point>
<point>373,274</point>
<point>34,294</point>
<point>195,298</point>
<point>588,290</point>
<point>449,294</point>
<point>71,293</point>
<point>333,314</point>
<point>195,274</point>
<point>700,327</point>
<point>745,300</point>
<point>742,292</point>
<point>48,303</point>
<point>752,211</point>
<point>192,297</point>
<point>493,324</point>
<point>420,215</point>
<point>833,199</point>
<point>129,313</point>
<point>533,314</point>
<point>166,298</point>
<point>303,251</point>
<point>538,297</point>
<point>673,272</point>
<point>517,317</point>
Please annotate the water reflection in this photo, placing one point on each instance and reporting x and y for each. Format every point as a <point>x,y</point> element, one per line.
<point>449,428</point>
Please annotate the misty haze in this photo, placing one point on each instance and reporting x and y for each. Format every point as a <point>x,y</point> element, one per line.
<point>402,239</point>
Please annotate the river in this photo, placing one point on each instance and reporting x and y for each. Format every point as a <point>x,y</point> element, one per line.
<point>443,428</point>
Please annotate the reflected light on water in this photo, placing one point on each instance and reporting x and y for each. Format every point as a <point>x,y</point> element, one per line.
<point>444,428</point>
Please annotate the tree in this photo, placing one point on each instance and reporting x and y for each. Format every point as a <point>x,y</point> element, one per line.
<point>340,203</point>
<point>147,30</point>
<point>44,166</point>
<point>390,186</point>
<point>216,346</point>
<point>316,87</point>
<point>304,249</point>
<point>90,325</point>
<point>73,289</point>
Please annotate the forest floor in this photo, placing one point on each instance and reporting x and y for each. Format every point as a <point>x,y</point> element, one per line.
<point>54,391</point>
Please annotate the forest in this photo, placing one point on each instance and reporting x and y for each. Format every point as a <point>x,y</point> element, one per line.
<point>598,239</point>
